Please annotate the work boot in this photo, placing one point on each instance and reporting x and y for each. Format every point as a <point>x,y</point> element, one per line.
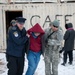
<point>63,64</point>
<point>70,63</point>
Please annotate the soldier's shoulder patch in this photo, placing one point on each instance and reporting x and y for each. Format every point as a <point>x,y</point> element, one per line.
<point>15,34</point>
<point>14,28</point>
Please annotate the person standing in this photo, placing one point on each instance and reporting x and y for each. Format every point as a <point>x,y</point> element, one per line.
<point>12,23</point>
<point>69,37</point>
<point>52,38</point>
<point>35,48</point>
<point>15,51</point>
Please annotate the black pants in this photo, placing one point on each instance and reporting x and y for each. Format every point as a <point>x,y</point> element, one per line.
<point>15,65</point>
<point>70,54</point>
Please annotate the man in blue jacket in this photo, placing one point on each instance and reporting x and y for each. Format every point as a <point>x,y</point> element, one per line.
<point>16,47</point>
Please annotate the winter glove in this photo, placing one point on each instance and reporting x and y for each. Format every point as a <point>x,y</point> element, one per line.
<point>60,51</point>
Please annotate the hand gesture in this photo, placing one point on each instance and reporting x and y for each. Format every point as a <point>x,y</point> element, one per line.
<point>28,35</point>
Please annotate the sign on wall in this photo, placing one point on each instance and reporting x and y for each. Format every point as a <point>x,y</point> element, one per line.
<point>44,0</point>
<point>8,1</point>
<point>33,0</point>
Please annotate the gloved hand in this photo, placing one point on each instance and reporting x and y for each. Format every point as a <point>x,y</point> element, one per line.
<point>60,51</point>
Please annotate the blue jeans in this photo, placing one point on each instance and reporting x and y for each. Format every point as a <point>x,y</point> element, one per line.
<point>33,60</point>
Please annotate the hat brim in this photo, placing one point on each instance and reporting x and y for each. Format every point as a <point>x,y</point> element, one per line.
<point>22,23</point>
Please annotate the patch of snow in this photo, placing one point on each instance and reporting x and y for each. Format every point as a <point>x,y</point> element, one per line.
<point>62,70</point>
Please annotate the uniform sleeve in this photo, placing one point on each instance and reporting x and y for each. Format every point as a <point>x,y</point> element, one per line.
<point>46,34</point>
<point>60,36</point>
<point>58,40</point>
<point>18,40</point>
<point>24,32</point>
<point>44,37</point>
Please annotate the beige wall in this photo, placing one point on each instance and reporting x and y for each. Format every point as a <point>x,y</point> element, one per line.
<point>5,1</point>
<point>42,13</point>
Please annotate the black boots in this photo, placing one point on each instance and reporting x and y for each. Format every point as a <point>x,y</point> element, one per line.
<point>70,63</point>
<point>63,64</point>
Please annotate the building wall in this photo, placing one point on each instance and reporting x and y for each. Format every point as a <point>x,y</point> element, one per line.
<point>8,1</point>
<point>42,13</point>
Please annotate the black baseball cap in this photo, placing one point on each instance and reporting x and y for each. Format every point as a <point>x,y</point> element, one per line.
<point>20,20</point>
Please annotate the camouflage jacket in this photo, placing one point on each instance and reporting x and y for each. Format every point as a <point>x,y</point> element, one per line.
<point>55,39</point>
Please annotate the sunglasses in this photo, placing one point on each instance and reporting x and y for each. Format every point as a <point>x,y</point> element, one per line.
<point>55,26</point>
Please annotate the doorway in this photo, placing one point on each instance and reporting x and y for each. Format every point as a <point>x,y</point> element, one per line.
<point>10,15</point>
<point>7,17</point>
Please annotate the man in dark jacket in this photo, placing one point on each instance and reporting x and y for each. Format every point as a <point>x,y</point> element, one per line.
<point>69,43</point>
<point>16,47</point>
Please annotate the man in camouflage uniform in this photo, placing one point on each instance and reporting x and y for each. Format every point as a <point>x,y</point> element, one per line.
<point>52,38</point>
